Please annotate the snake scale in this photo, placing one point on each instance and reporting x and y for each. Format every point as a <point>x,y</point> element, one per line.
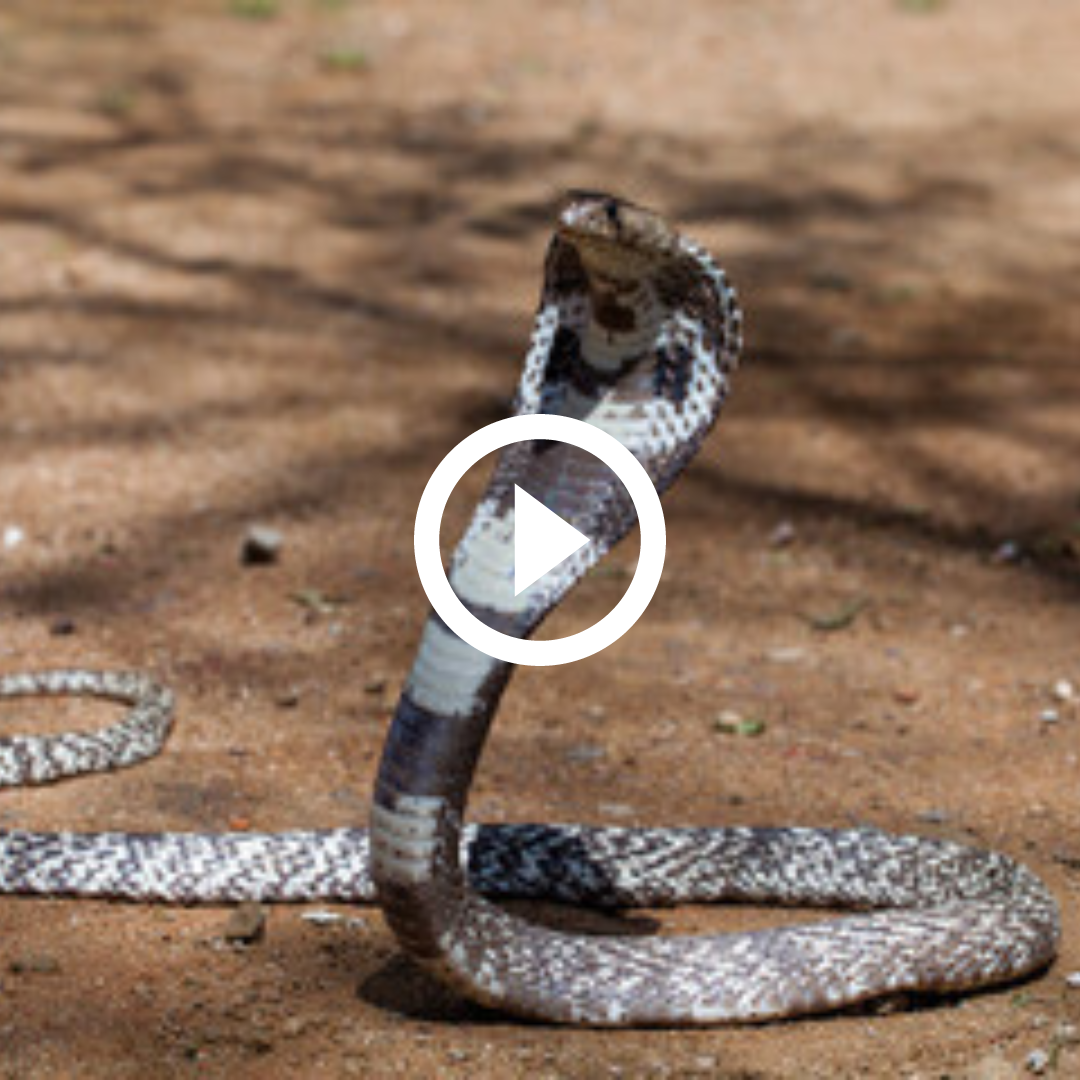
<point>637,332</point>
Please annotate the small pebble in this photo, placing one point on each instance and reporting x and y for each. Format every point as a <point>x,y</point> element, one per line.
<point>934,816</point>
<point>261,546</point>
<point>905,695</point>
<point>782,535</point>
<point>1037,1062</point>
<point>791,654</point>
<point>1067,1034</point>
<point>375,685</point>
<point>321,917</point>
<point>13,536</point>
<point>294,1026</point>
<point>1049,716</point>
<point>1063,691</point>
<point>62,627</point>
<point>1008,552</point>
<point>245,925</point>
<point>1072,980</point>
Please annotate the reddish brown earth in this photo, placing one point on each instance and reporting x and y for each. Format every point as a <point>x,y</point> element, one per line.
<point>269,262</point>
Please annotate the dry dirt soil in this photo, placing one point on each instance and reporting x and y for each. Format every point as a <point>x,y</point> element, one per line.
<point>266,262</point>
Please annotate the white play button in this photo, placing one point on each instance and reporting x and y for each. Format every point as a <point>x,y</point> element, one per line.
<point>541,540</point>
<point>492,575</point>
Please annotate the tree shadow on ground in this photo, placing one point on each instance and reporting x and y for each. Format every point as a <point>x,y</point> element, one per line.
<point>815,253</point>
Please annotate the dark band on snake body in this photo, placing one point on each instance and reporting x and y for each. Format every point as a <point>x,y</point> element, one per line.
<point>637,332</point>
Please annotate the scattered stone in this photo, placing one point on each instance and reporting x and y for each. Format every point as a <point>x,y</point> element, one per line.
<point>376,685</point>
<point>595,712</point>
<point>1008,552</point>
<point>294,1026</point>
<point>12,537</point>
<point>935,816</point>
<point>782,535</point>
<point>789,654</point>
<point>616,809</point>
<point>1063,691</point>
<point>288,700</point>
<point>1037,1062</point>
<point>62,627</point>
<point>34,964</point>
<point>906,695</point>
<point>1072,980</point>
<point>1049,716</point>
<point>1066,1035</point>
<point>322,917</point>
<point>261,546</point>
<point>246,924</point>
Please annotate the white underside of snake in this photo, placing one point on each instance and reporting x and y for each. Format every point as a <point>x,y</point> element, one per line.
<point>637,332</point>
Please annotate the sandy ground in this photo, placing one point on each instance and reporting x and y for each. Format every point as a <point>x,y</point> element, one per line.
<point>267,262</point>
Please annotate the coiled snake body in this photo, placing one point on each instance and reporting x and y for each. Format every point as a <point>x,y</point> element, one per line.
<point>637,332</point>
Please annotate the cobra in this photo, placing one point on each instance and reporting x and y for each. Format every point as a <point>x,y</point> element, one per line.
<point>638,332</point>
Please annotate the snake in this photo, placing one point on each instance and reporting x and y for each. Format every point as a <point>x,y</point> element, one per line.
<point>638,332</point>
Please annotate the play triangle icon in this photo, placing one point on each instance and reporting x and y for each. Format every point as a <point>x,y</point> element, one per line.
<point>541,540</point>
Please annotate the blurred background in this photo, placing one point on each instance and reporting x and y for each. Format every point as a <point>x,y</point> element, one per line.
<point>263,262</point>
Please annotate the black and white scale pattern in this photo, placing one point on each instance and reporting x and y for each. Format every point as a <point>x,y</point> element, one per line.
<point>637,332</point>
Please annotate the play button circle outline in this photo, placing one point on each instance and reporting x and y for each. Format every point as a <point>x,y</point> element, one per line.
<point>634,601</point>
